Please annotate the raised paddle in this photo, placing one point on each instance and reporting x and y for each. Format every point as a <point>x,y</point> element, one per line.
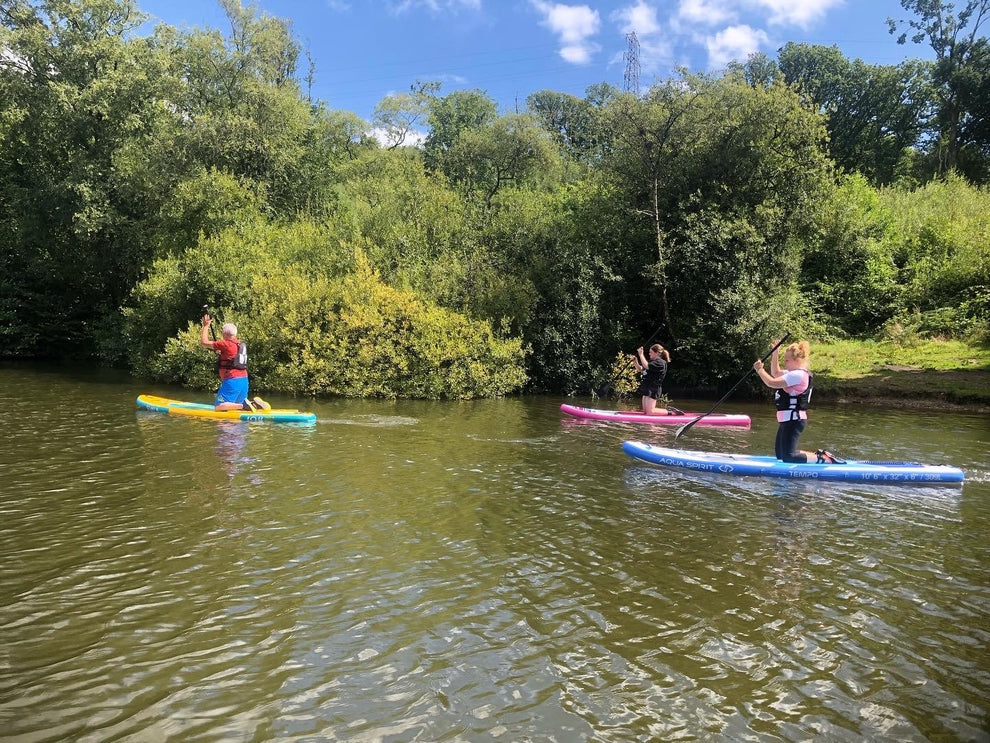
<point>691,422</point>
<point>206,311</point>
<point>607,387</point>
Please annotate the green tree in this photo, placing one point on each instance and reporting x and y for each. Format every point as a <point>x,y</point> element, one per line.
<point>960,60</point>
<point>410,223</point>
<point>974,126</point>
<point>848,272</point>
<point>873,112</point>
<point>238,104</point>
<point>544,277</point>
<point>449,117</point>
<point>332,139</point>
<point>396,116</point>
<point>506,152</point>
<point>651,138</point>
<point>759,70</point>
<point>570,120</point>
<point>724,176</point>
<point>82,112</point>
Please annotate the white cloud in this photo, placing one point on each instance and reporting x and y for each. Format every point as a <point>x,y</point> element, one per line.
<point>577,53</point>
<point>435,5</point>
<point>574,25</point>
<point>707,12</point>
<point>669,30</point>
<point>413,138</point>
<point>655,55</point>
<point>339,5</point>
<point>801,13</point>
<point>733,43</point>
<point>639,18</point>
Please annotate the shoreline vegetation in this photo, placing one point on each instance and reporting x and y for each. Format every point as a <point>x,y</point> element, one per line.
<point>921,375</point>
<point>448,249</point>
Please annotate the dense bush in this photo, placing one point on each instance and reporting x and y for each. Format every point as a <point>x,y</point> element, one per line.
<point>848,273</point>
<point>940,241</point>
<point>899,261</point>
<point>314,325</point>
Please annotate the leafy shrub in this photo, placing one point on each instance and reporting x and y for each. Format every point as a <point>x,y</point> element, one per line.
<point>940,240</point>
<point>358,337</point>
<point>847,271</point>
<point>313,331</point>
<point>970,320</point>
<point>217,271</point>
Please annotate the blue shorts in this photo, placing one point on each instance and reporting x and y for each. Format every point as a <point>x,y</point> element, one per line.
<point>234,389</point>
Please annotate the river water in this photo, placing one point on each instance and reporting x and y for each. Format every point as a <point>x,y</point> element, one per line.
<point>476,571</point>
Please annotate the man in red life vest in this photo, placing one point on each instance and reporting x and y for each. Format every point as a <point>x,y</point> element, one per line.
<point>232,366</point>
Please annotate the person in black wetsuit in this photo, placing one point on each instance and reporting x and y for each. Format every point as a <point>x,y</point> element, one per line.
<point>654,370</point>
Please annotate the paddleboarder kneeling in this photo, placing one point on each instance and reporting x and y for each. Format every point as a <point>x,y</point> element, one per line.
<point>653,372</point>
<point>792,393</point>
<point>232,366</point>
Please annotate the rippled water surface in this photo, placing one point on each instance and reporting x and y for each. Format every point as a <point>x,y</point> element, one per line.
<point>476,571</point>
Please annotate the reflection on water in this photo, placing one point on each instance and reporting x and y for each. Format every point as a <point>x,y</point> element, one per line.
<point>231,439</point>
<point>474,571</point>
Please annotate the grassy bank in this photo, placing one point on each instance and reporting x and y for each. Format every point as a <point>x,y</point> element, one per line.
<point>920,374</point>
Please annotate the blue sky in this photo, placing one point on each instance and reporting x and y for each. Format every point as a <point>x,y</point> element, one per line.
<point>365,50</point>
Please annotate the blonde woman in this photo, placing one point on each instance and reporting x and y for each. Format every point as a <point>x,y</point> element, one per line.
<point>792,392</point>
<point>654,370</point>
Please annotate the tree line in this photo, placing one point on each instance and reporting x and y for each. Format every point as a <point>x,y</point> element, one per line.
<point>143,175</point>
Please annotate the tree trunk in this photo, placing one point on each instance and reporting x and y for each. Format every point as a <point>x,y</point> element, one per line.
<point>661,260</point>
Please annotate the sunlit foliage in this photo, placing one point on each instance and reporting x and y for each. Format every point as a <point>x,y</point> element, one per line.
<point>143,177</point>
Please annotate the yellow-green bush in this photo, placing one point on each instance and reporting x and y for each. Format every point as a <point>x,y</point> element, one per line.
<point>310,331</point>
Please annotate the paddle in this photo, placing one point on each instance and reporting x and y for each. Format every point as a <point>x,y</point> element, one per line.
<point>607,387</point>
<point>206,311</point>
<point>690,423</point>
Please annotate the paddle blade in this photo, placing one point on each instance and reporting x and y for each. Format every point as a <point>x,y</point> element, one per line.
<point>686,426</point>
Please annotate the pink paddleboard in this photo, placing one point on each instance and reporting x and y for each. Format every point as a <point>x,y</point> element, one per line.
<point>635,416</point>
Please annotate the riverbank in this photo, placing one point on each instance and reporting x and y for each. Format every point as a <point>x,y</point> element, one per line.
<point>924,374</point>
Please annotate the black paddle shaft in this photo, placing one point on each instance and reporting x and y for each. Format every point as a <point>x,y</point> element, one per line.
<point>745,376</point>
<point>206,311</point>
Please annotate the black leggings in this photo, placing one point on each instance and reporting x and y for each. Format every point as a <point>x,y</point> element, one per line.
<point>786,445</point>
